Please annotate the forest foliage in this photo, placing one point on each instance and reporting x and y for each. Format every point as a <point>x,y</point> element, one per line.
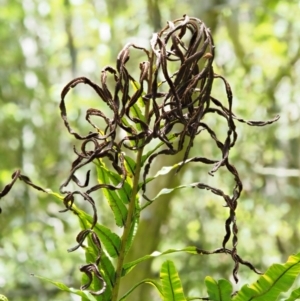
<point>46,45</point>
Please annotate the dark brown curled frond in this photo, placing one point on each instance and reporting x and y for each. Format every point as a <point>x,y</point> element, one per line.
<point>28,182</point>
<point>149,162</point>
<point>87,180</point>
<point>89,199</point>
<point>111,125</point>
<point>120,169</point>
<point>257,123</point>
<point>80,239</point>
<point>214,190</point>
<point>249,122</point>
<point>62,105</point>
<point>179,105</point>
<point>228,232</point>
<point>228,251</point>
<point>76,167</point>
<point>8,187</point>
<point>90,270</point>
<point>97,243</point>
<point>68,201</point>
<point>167,100</point>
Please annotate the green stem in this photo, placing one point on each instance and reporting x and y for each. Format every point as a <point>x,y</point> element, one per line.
<point>127,226</point>
<point>131,207</point>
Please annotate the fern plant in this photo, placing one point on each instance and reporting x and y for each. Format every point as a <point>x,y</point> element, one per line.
<point>158,112</point>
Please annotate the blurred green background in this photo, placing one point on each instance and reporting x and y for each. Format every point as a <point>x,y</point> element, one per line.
<point>45,44</point>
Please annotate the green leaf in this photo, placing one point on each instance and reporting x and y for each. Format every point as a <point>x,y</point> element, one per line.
<point>167,191</point>
<point>295,295</point>
<point>130,265</point>
<point>137,112</point>
<point>58,196</point>
<point>218,291</point>
<point>149,281</point>
<point>109,270</point>
<point>165,170</point>
<point>116,204</point>
<point>171,284</point>
<point>111,241</point>
<point>277,279</point>
<point>132,233</point>
<point>3,298</point>
<point>63,287</point>
<point>130,167</point>
<point>125,192</point>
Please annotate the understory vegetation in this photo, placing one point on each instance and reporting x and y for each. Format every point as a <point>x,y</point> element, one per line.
<point>161,127</point>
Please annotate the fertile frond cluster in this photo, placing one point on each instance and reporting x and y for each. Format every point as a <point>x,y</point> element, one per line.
<point>170,104</point>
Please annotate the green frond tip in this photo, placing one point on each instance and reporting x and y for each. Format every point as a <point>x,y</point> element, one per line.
<point>218,291</point>
<point>171,284</point>
<point>130,265</point>
<point>84,294</point>
<point>3,298</point>
<point>277,279</point>
<point>152,282</point>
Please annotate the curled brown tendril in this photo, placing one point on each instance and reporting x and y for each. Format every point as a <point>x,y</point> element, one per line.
<point>175,81</point>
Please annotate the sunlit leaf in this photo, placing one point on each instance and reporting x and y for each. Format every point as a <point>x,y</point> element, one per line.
<point>57,195</point>
<point>218,291</point>
<point>137,112</point>
<point>167,191</point>
<point>166,169</point>
<point>277,279</point>
<point>154,283</point>
<point>115,203</point>
<point>125,192</point>
<point>132,233</point>
<point>3,298</point>
<point>171,284</point>
<point>130,265</point>
<point>64,288</point>
<point>108,270</point>
<point>130,167</point>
